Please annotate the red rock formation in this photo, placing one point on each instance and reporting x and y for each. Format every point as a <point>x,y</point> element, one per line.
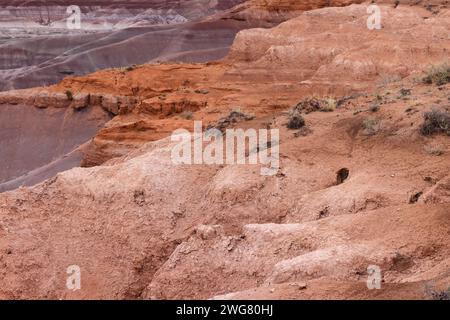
<point>140,226</point>
<point>331,52</point>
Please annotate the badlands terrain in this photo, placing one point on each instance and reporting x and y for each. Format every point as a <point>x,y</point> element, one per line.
<point>87,177</point>
<point>37,48</point>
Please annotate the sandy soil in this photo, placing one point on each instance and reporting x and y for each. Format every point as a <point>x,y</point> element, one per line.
<point>141,227</point>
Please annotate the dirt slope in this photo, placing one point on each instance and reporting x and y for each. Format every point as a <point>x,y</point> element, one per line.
<point>140,226</point>
<point>315,59</point>
<point>35,55</point>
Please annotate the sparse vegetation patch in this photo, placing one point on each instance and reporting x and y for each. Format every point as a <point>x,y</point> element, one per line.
<point>342,175</point>
<point>313,104</point>
<point>188,115</point>
<point>371,126</point>
<point>374,107</point>
<point>295,121</point>
<point>236,115</point>
<point>438,294</point>
<point>438,74</point>
<point>436,121</point>
<point>405,92</point>
<point>69,95</point>
<point>434,150</point>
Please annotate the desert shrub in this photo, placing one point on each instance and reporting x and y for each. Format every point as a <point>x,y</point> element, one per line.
<point>386,79</point>
<point>329,105</point>
<point>201,91</point>
<point>188,115</point>
<point>371,126</point>
<point>236,115</point>
<point>374,107</point>
<point>295,120</point>
<point>441,295</point>
<point>405,92</point>
<point>436,121</point>
<point>438,74</point>
<point>129,68</point>
<point>69,95</point>
<point>342,175</point>
<point>434,150</point>
<point>436,294</point>
<point>313,104</point>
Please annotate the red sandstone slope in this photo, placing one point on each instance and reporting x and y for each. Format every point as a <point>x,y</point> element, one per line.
<point>111,35</point>
<point>139,229</point>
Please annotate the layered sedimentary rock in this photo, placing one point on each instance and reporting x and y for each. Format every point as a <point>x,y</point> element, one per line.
<point>140,226</point>
<point>343,52</point>
<point>37,48</point>
<point>285,236</point>
<point>41,135</point>
<point>326,52</point>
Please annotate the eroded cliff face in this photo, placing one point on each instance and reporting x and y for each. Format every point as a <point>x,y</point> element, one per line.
<point>38,143</point>
<point>313,59</point>
<point>140,226</point>
<point>39,10</point>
